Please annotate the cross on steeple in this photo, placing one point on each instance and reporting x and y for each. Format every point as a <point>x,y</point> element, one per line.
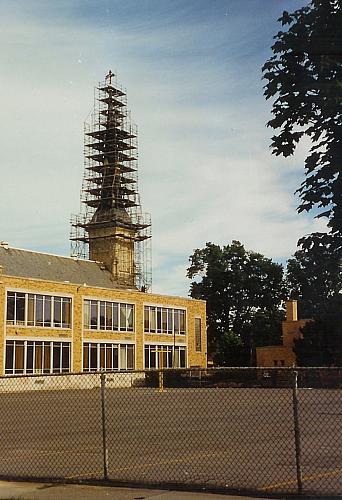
<point>109,76</point>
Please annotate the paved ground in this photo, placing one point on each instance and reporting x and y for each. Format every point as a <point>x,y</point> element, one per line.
<point>50,491</point>
<point>215,438</point>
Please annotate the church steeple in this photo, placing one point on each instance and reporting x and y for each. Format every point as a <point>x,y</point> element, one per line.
<point>112,228</point>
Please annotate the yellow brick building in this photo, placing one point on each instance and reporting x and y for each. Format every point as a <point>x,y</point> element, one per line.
<point>283,355</point>
<point>62,314</point>
<point>70,314</point>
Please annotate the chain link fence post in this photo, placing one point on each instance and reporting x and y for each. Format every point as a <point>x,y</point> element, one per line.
<point>297,432</point>
<point>104,428</point>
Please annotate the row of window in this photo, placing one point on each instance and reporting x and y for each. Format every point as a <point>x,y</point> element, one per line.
<point>27,357</point>
<point>108,356</point>
<point>104,315</point>
<point>29,309</point>
<point>24,356</point>
<point>165,356</point>
<point>164,320</point>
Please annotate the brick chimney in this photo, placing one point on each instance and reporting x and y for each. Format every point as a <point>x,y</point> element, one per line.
<point>291,310</point>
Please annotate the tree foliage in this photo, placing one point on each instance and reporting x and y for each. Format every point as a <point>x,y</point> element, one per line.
<point>304,76</point>
<point>321,344</point>
<point>242,289</point>
<point>314,274</point>
<point>314,277</point>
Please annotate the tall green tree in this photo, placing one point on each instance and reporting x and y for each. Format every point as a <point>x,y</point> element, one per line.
<point>241,288</point>
<point>304,76</point>
<point>314,274</point>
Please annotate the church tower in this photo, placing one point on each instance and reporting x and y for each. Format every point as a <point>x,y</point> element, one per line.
<point>111,227</point>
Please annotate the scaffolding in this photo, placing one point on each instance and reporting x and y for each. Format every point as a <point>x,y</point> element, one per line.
<point>109,194</point>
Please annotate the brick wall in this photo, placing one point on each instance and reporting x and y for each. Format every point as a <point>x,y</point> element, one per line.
<point>194,308</point>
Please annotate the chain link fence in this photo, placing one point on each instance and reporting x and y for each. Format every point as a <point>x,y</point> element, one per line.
<point>274,431</point>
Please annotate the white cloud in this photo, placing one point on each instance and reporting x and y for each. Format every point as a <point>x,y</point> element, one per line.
<point>205,170</point>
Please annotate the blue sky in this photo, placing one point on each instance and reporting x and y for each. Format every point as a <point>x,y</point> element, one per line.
<point>192,70</point>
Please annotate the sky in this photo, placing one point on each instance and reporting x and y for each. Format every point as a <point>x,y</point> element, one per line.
<point>192,72</point>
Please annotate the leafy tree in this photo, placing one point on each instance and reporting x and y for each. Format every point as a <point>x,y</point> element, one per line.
<point>264,328</point>
<point>230,350</point>
<point>305,77</point>
<point>321,344</point>
<point>239,286</point>
<point>314,274</point>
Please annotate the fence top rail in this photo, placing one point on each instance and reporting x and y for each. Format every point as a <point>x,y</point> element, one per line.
<point>211,370</point>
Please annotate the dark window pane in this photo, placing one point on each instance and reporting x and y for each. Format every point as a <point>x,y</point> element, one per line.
<point>109,316</point>
<point>56,357</point>
<point>102,315</point>
<point>102,356</point>
<point>182,358</point>
<point>9,357</point>
<point>20,308</point>
<point>153,358</point>
<point>115,358</point>
<point>170,321</point>
<point>198,334</point>
<point>19,357</point>
<point>10,307</point>
<point>152,319</point>
<point>130,357</point>
<point>109,361</point>
<point>158,319</point>
<point>123,317</point>
<point>86,357</point>
<point>38,361</point>
<point>182,322</point>
<point>57,311</point>
<point>164,320</point>
<point>146,319</point>
<point>29,357</point>
<point>93,315</point>
<point>30,309</point>
<point>115,317</point>
<point>176,320</point>
<point>47,311</point>
<point>47,357</point>
<point>39,310</point>
<point>66,313</point>
<point>66,357</point>
<point>93,357</point>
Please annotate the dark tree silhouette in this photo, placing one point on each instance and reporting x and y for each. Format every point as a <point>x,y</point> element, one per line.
<point>243,291</point>
<point>304,77</point>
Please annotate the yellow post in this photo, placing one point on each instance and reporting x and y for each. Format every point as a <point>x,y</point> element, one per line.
<point>161,374</point>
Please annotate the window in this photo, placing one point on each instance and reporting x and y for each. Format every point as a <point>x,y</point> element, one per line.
<point>164,320</point>
<point>107,357</point>
<point>198,332</point>
<point>165,356</point>
<point>27,357</point>
<point>112,316</point>
<point>29,309</point>
<point>15,308</point>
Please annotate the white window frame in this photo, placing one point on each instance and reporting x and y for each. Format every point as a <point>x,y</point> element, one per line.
<point>160,347</point>
<point>169,331</point>
<point>121,328</point>
<point>45,342</point>
<point>25,324</point>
